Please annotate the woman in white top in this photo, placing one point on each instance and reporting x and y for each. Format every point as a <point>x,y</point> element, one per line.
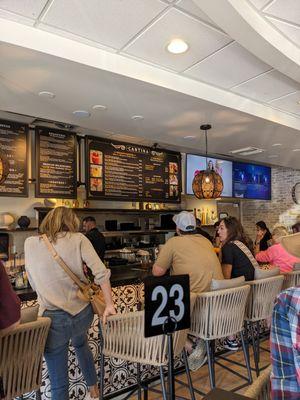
<point>57,296</point>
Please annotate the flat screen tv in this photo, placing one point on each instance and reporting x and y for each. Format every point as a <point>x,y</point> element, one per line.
<point>251,181</point>
<point>195,163</point>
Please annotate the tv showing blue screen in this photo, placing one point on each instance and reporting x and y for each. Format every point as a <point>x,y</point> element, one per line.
<point>251,181</point>
<point>196,163</point>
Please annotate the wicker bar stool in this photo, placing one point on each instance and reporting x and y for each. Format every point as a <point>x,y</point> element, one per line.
<point>259,307</point>
<point>21,354</point>
<point>261,387</point>
<point>123,338</point>
<point>291,279</point>
<point>216,315</point>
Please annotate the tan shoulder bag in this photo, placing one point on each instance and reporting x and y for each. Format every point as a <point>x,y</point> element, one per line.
<point>89,292</point>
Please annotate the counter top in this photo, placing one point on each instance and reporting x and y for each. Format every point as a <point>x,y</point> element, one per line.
<point>120,276</point>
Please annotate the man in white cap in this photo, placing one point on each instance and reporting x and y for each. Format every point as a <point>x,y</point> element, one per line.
<point>189,253</point>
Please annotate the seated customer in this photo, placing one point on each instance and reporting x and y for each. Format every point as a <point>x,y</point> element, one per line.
<point>263,235</point>
<point>189,253</point>
<point>94,235</point>
<point>276,254</point>
<point>201,231</point>
<point>10,305</point>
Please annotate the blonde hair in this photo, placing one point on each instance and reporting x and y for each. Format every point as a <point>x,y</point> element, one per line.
<point>279,231</point>
<point>60,219</point>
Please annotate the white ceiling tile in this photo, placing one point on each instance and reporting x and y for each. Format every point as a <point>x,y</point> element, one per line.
<point>267,87</point>
<point>285,9</point>
<point>192,8</point>
<point>228,67</point>
<point>112,23</point>
<point>27,8</point>
<point>259,3</point>
<point>288,103</point>
<point>16,18</point>
<point>291,31</point>
<point>202,41</point>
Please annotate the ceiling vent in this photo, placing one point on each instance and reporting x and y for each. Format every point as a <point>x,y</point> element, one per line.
<point>247,151</point>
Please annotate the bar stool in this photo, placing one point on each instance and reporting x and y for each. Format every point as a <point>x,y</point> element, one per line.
<point>261,387</point>
<point>21,354</point>
<point>291,279</point>
<point>216,315</point>
<point>123,338</point>
<point>260,306</point>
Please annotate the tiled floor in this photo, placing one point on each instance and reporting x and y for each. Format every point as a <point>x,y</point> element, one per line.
<point>224,379</point>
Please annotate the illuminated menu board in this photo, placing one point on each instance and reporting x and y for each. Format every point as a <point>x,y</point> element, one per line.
<point>13,158</point>
<point>123,171</point>
<point>56,163</point>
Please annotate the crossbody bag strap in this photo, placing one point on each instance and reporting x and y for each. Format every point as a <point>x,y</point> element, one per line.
<point>247,252</point>
<point>61,262</point>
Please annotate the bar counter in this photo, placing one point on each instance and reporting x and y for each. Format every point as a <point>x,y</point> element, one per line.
<point>128,294</point>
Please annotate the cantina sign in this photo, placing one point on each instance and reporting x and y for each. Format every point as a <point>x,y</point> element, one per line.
<point>123,171</point>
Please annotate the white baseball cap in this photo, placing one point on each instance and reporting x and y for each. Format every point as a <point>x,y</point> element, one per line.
<point>185,221</point>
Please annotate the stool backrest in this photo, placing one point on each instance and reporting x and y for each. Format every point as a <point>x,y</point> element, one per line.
<point>124,338</point>
<point>262,296</point>
<point>291,279</point>
<point>219,313</point>
<point>21,354</point>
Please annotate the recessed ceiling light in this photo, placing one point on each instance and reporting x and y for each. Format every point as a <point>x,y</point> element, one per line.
<point>298,102</point>
<point>81,113</point>
<point>177,46</point>
<point>296,150</point>
<point>273,156</point>
<point>189,137</point>
<point>137,117</point>
<point>44,93</point>
<point>276,144</point>
<point>247,151</point>
<point>99,107</point>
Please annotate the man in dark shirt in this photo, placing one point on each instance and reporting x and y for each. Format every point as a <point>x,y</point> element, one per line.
<point>94,236</point>
<point>201,231</point>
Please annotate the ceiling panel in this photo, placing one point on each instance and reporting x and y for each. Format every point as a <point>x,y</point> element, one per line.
<point>291,31</point>
<point>202,41</point>
<point>259,3</point>
<point>27,8</point>
<point>267,87</point>
<point>228,67</point>
<point>289,103</point>
<point>288,10</point>
<point>112,23</point>
<point>192,8</point>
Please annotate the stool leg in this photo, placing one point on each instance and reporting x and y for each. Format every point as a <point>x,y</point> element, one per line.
<point>210,365</point>
<point>38,395</point>
<point>138,370</point>
<point>162,381</point>
<point>258,340</point>
<point>101,380</point>
<point>246,356</point>
<point>254,349</point>
<point>188,374</point>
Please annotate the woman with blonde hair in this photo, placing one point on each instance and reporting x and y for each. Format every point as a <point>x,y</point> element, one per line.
<point>57,296</point>
<point>276,254</point>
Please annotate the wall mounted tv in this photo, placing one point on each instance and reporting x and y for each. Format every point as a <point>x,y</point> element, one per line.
<point>195,163</point>
<point>251,181</point>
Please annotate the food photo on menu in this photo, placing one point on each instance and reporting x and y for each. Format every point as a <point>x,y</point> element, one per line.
<point>96,185</point>
<point>173,179</point>
<point>96,171</point>
<point>96,157</point>
<point>174,191</point>
<point>173,168</point>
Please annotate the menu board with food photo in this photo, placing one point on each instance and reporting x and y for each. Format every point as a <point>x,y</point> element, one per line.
<point>124,171</point>
<point>56,163</point>
<point>13,159</point>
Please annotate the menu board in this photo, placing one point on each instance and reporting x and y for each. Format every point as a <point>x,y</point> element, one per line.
<point>13,158</point>
<point>56,163</point>
<point>123,171</point>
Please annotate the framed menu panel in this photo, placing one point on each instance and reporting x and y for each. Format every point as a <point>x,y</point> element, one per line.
<point>13,159</point>
<point>123,171</point>
<point>56,166</point>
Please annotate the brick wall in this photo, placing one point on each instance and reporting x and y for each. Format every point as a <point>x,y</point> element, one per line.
<point>281,209</point>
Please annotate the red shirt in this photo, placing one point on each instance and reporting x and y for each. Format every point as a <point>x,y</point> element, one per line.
<point>10,304</point>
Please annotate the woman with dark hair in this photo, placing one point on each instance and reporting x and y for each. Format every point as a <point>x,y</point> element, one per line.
<point>263,235</point>
<point>296,227</point>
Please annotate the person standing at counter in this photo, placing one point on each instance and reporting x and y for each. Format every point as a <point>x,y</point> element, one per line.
<point>57,296</point>
<point>94,235</point>
<point>263,235</point>
<point>189,253</point>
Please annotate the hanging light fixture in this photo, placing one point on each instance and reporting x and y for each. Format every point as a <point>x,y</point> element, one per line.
<point>207,184</point>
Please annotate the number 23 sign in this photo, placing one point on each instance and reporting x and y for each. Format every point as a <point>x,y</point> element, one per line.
<point>166,299</point>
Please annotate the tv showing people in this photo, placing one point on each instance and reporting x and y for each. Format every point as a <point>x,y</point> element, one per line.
<point>251,181</point>
<point>196,163</point>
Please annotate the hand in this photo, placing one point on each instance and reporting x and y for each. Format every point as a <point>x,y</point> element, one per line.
<point>259,236</point>
<point>109,310</point>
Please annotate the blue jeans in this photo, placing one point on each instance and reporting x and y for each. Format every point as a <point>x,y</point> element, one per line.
<point>65,327</point>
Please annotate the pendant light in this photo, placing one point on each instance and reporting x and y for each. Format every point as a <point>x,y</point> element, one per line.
<point>207,184</point>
